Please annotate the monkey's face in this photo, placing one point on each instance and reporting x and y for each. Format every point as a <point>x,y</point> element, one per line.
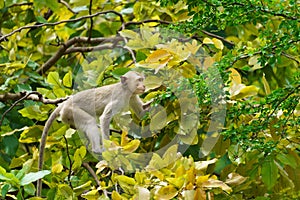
<point>134,82</point>
<point>140,87</point>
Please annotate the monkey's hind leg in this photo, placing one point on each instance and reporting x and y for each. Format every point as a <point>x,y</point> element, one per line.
<point>87,124</point>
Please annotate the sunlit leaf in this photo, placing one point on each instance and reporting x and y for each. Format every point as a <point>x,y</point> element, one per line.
<point>158,56</point>
<point>143,193</point>
<point>57,168</point>
<point>53,78</point>
<point>67,80</point>
<point>218,43</point>
<point>33,176</point>
<point>131,146</point>
<point>202,165</point>
<point>166,192</point>
<point>235,76</point>
<point>207,41</point>
<point>78,157</point>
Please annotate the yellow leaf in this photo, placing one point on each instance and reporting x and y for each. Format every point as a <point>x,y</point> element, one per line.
<point>266,85</point>
<point>180,171</point>
<point>218,43</point>
<point>177,182</point>
<point>67,80</point>
<point>201,180</point>
<point>91,195</point>
<point>193,47</point>
<point>235,76</point>
<point>246,92</point>
<point>166,192</point>
<point>200,194</point>
<point>207,41</point>
<point>202,165</point>
<point>131,146</point>
<point>116,196</point>
<point>57,168</point>
<point>125,179</point>
<point>158,55</point>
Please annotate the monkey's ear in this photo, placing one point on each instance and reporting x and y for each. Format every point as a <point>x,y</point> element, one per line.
<point>123,80</point>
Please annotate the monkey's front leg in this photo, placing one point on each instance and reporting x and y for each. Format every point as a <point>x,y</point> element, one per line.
<point>105,119</point>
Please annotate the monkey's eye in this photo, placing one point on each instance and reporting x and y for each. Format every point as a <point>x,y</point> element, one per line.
<point>140,79</point>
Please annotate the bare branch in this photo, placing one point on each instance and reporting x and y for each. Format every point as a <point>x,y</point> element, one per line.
<point>61,22</point>
<point>218,37</point>
<point>62,50</point>
<point>89,49</point>
<point>92,172</point>
<point>35,96</point>
<point>68,6</point>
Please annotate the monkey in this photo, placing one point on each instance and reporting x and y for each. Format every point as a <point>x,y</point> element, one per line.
<point>82,109</point>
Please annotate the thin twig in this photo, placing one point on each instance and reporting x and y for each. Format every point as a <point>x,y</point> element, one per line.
<point>92,22</point>
<point>62,50</point>
<point>61,22</point>
<point>68,6</point>
<point>92,172</point>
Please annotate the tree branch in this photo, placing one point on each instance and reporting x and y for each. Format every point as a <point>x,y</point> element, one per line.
<point>92,172</point>
<point>64,47</point>
<point>35,96</point>
<point>67,6</point>
<point>2,38</point>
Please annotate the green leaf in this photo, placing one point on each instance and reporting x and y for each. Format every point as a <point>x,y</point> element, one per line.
<point>287,159</point>
<point>78,157</point>
<point>9,177</point>
<point>269,172</point>
<point>67,80</point>
<point>33,176</point>
<point>53,78</point>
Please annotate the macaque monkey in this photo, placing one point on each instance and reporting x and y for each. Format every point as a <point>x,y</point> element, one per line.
<point>81,110</point>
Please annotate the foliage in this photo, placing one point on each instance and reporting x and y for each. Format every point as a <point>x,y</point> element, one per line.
<point>234,70</point>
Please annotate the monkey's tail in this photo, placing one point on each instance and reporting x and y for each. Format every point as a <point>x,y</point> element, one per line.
<point>50,120</point>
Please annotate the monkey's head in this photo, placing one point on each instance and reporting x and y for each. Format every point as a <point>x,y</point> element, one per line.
<point>134,82</point>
